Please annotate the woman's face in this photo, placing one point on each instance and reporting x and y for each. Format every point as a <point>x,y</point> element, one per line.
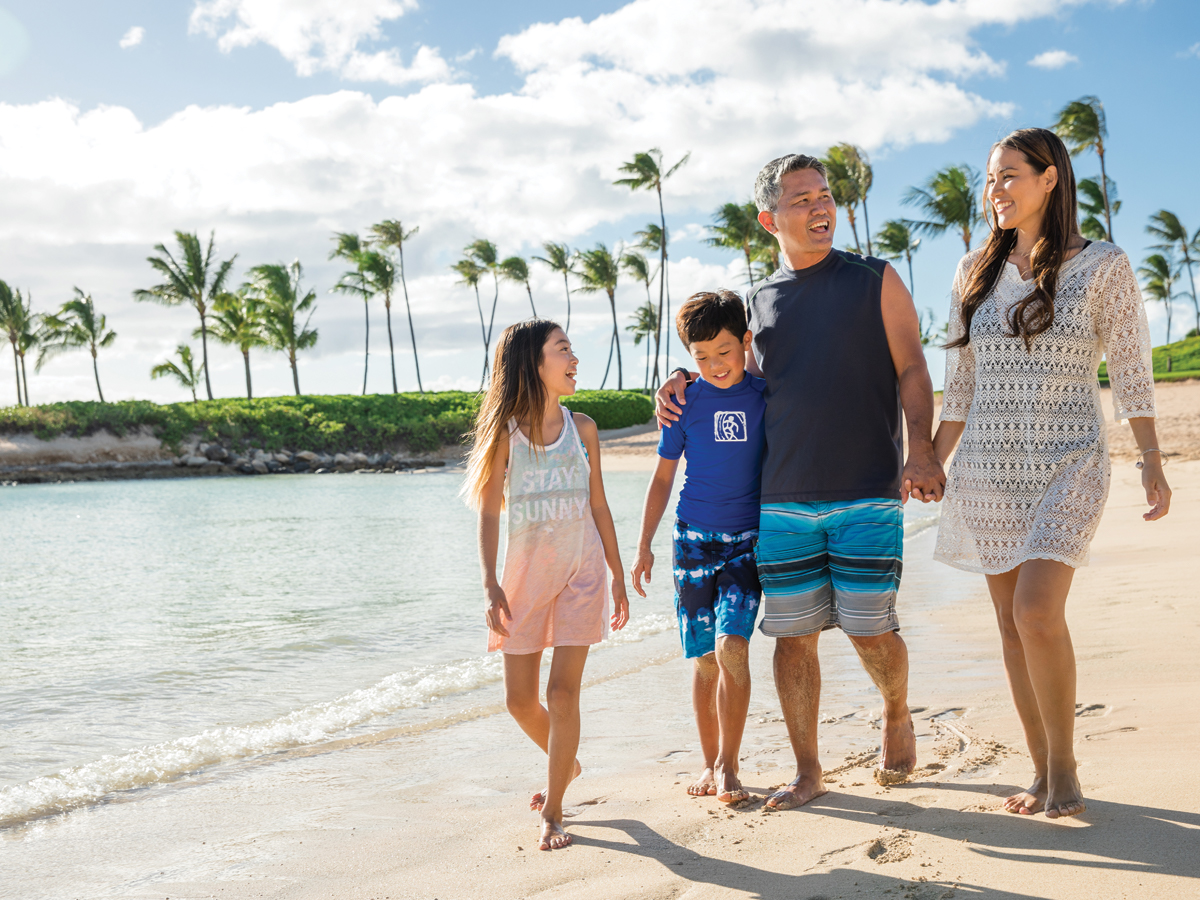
<point>1016,192</point>
<point>559,364</point>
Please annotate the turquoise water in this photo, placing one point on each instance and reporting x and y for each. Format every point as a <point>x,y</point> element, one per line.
<point>156,628</point>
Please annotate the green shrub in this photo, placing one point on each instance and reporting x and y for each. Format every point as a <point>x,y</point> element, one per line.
<point>612,409</point>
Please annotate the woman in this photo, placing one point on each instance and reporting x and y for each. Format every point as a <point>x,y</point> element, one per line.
<point>1032,311</point>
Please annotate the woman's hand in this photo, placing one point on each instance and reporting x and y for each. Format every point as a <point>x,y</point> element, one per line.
<point>1158,494</point>
<point>497,605</point>
<point>641,567</point>
<point>669,400</point>
<point>620,614</point>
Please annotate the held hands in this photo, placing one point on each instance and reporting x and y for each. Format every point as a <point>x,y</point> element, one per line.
<point>642,566</point>
<point>620,614</point>
<point>1158,494</point>
<point>923,478</point>
<point>669,401</point>
<point>497,606</point>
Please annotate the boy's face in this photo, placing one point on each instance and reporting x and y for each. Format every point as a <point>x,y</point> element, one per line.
<point>721,361</point>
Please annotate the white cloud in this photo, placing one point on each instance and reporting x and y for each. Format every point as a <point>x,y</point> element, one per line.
<point>320,35</point>
<point>1193,50</point>
<point>132,37</point>
<point>1053,59</point>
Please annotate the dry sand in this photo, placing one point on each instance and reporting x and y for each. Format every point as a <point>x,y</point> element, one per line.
<point>443,814</point>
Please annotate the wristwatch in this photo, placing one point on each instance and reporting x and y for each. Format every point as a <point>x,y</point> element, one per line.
<point>687,376</point>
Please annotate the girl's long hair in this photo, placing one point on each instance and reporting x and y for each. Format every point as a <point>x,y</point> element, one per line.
<point>1035,313</point>
<point>516,392</point>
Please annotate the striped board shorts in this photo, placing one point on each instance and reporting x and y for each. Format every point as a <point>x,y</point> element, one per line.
<point>830,564</point>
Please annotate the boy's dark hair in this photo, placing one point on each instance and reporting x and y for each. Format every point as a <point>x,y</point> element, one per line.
<point>707,313</point>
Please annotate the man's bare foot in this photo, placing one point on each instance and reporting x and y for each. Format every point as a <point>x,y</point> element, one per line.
<point>729,787</point>
<point>1026,803</point>
<point>705,785</point>
<point>553,836</point>
<point>802,789</point>
<point>538,800</point>
<point>899,746</point>
<point>1064,796</point>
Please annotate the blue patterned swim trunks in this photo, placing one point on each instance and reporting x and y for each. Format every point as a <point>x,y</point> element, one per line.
<point>716,586</point>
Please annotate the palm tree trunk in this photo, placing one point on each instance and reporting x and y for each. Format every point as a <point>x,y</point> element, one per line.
<point>567,288</point>
<point>966,236</point>
<point>612,302</point>
<point>1187,260</point>
<point>607,365</point>
<point>295,371</point>
<point>246,359</point>
<point>204,350</point>
<point>867,224</point>
<point>367,349</point>
<point>646,380</point>
<point>411,332</point>
<point>495,300</point>
<point>662,279</point>
<point>749,268</point>
<point>1104,188</point>
<point>529,291</point>
<point>17,370</point>
<point>911,290</point>
<point>854,228</point>
<point>96,372</point>
<point>25,378</point>
<point>387,306</point>
<point>484,334</point>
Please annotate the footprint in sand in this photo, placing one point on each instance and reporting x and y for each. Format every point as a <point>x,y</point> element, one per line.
<point>571,811</point>
<point>1105,735</point>
<point>1092,709</point>
<point>890,849</point>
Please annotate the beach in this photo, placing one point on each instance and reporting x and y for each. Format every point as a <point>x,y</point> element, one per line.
<point>440,811</point>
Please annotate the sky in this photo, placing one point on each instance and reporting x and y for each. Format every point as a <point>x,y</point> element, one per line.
<point>275,123</point>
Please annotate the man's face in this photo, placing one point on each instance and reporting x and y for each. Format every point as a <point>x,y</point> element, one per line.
<point>805,216</point>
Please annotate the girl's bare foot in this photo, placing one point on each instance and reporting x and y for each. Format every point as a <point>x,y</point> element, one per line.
<point>1064,796</point>
<point>1028,802</point>
<point>705,785</point>
<point>553,836</point>
<point>538,800</point>
<point>730,788</point>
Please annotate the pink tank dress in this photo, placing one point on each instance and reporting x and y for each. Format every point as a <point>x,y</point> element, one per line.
<point>555,576</point>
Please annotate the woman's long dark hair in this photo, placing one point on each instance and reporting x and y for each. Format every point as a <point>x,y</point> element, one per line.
<point>1035,313</point>
<point>516,392</point>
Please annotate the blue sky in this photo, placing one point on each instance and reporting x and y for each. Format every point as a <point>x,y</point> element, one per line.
<point>276,129</point>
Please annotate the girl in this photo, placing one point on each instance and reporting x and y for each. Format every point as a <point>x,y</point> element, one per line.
<point>1031,312</point>
<point>560,535</point>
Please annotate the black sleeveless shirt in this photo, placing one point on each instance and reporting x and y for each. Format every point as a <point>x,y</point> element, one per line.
<point>833,399</point>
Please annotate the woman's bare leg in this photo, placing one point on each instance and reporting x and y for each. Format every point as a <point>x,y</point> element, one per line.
<point>562,701</point>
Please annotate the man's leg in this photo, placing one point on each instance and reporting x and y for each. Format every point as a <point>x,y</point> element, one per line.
<point>885,657</point>
<point>798,681</point>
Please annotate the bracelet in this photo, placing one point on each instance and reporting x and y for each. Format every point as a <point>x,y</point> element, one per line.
<point>1162,459</point>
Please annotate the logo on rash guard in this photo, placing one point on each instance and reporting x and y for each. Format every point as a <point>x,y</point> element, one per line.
<point>729,426</point>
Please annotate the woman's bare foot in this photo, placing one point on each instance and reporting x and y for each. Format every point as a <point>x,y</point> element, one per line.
<point>538,800</point>
<point>803,788</point>
<point>1064,796</point>
<point>729,787</point>
<point>1026,803</point>
<point>553,836</point>
<point>705,785</point>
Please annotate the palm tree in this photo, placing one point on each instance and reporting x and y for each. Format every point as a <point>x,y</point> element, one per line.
<point>277,288</point>
<point>469,273</point>
<point>645,172</point>
<point>75,325</point>
<point>185,371</point>
<point>645,324</point>
<point>850,178</point>
<point>347,246</point>
<point>1090,197</point>
<point>950,199</point>
<point>516,269</point>
<point>652,239</point>
<point>19,324</point>
<point>237,319</point>
<point>1160,271</point>
<point>638,267</point>
<point>735,227</point>
<point>1082,126</point>
<point>598,270</point>
<point>390,233</point>
<point>29,336</point>
<point>188,281</point>
<point>895,240</point>
<point>485,254</point>
<point>380,275</point>
<point>1165,226</point>
<point>560,259</point>
<point>765,253</point>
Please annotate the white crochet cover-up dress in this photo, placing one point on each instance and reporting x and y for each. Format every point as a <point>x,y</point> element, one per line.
<point>1031,473</point>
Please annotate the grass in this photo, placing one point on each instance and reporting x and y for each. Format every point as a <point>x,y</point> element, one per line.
<point>419,422</point>
<point>1184,356</point>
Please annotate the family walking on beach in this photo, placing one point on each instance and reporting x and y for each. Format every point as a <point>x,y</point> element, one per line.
<point>795,477</point>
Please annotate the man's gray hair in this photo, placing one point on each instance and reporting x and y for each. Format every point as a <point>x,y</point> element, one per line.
<point>769,183</point>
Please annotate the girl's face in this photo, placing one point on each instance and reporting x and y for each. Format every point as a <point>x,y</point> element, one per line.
<point>559,364</point>
<point>1017,193</point>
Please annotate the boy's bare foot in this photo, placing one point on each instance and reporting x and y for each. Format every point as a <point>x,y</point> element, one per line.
<point>553,836</point>
<point>729,787</point>
<point>538,800</point>
<point>1026,803</point>
<point>1064,797</point>
<point>899,745</point>
<point>804,787</point>
<point>705,785</point>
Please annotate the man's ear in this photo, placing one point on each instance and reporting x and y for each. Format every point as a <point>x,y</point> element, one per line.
<point>766,219</point>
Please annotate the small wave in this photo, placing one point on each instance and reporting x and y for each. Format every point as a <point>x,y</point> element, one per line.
<point>919,524</point>
<point>312,725</point>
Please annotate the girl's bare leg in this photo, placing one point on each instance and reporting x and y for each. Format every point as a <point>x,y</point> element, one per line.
<point>562,700</point>
<point>521,695</point>
<point>705,677</point>
<point>733,702</point>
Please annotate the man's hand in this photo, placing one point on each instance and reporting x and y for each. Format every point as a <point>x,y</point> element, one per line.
<point>923,478</point>
<point>641,567</point>
<point>497,606</point>
<point>669,400</point>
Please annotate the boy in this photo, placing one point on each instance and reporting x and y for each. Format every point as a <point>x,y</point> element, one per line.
<point>716,582</point>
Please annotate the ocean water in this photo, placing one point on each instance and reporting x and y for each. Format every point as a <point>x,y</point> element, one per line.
<point>156,629</point>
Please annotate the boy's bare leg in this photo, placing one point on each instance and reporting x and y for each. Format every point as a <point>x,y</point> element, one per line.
<point>798,681</point>
<point>705,677</point>
<point>885,657</point>
<point>733,702</point>
<point>562,701</point>
<point>521,675</point>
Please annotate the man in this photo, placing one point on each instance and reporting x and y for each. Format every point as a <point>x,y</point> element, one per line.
<point>837,338</point>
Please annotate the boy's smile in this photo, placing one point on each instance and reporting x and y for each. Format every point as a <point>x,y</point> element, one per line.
<point>721,361</point>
